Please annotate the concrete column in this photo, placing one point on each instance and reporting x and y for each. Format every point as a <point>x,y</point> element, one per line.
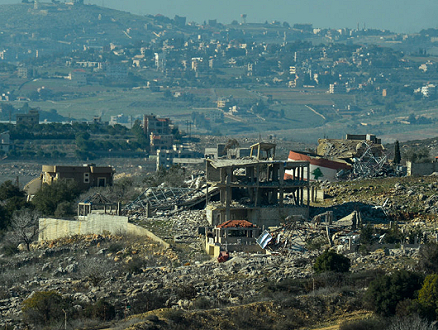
<point>228,194</point>
<point>308,183</point>
<point>281,178</point>
<point>256,199</point>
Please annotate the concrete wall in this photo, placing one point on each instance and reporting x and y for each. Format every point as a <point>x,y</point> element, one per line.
<point>419,169</point>
<point>94,223</point>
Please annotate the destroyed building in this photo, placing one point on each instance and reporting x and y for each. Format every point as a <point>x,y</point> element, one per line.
<point>320,168</point>
<point>356,155</point>
<point>256,188</point>
<point>232,236</point>
<point>353,146</point>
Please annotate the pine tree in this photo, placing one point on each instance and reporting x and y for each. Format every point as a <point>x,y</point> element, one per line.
<point>397,155</point>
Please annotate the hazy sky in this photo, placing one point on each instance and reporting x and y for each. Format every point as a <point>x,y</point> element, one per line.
<point>395,15</point>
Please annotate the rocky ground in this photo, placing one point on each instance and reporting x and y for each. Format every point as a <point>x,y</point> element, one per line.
<point>188,287</point>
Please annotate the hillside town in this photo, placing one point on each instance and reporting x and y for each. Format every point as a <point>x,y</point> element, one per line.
<point>157,173</point>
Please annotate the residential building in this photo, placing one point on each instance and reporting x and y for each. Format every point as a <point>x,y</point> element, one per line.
<point>160,142</point>
<point>30,118</point>
<point>5,141</point>
<point>179,154</point>
<point>338,88</point>
<point>429,90</point>
<point>86,176</point>
<point>159,126</point>
<point>78,77</point>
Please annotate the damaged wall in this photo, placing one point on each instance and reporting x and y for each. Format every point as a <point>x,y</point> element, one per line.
<point>420,169</point>
<point>93,223</point>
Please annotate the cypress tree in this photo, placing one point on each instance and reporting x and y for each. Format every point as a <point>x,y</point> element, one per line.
<point>397,155</point>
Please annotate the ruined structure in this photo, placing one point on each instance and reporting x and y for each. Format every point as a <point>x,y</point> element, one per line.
<point>320,168</point>
<point>353,146</point>
<point>255,190</point>
<point>232,236</point>
<point>356,155</point>
<point>98,203</point>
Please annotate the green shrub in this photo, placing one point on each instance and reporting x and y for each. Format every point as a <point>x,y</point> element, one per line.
<point>330,261</point>
<point>43,308</point>
<point>387,291</point>
<point>413,322</point>
<point>175,315</point>
<point>9,249</point>
<point>365,324</point>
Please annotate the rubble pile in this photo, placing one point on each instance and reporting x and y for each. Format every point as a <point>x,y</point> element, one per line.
<point>409,196</point>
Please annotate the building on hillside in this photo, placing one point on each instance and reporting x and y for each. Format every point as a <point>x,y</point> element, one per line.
<point>160,142</point>
<point>338,88</point>
<point>78,77</point>
<point>24,72</point>
<point>86,176</point>
<point>159,126</point>
<point>159,131</point>
<point>257,190</point>
<point>30,118</point>
<point>5,141</point>
<point>179,154</point>
<point>116,72</point>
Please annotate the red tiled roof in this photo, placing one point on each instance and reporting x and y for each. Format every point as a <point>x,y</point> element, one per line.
<point>236,224</point>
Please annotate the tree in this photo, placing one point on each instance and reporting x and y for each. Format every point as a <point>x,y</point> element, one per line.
<point>397,155</point>
<point>12,199</point>
<point>366,234</point>
<point>49,197</point>
<point>43,308</point>
<point>330,261</point>
<point>387,291</point>
<point>24,226</point>
<point>9,190</point>
<point>428,297</point>
<point>427,259</point>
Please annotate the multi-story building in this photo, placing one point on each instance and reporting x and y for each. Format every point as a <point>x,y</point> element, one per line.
<point>159,126</point>
<point>338,88</point>
<point>255,188</point>
<point>159,131</point>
